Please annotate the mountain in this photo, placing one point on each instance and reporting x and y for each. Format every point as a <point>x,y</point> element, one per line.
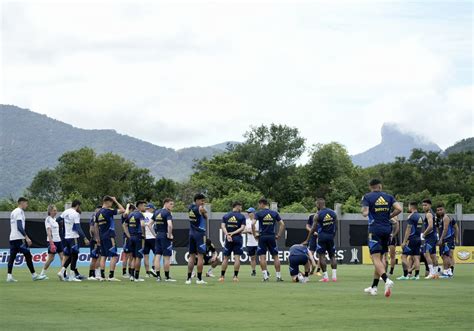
<point>394,143</point>
<point>30,141</point>
<point>465,145</point>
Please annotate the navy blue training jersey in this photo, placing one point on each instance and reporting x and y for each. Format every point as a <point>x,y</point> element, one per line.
<point>327,221</point>
<point>105,220</point>
<point>299,250</point>
<point>197,222</point>
<point>416,222</point>
<point>161,218</point>
<point>380,206</point>
<point>451,230</point>
<point>233,221</point>
<point>266,221</point>
<point>134,223</point>
<point>310,220</point>
<point>433,231</point>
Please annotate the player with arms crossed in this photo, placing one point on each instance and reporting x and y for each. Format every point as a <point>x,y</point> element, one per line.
<point>197,237</point>
<point>411,245</point>
<point>267,220</point>
<point>19,241</point>
<point>233,224</point>
<point>430,236</point>
<point>105,226</point>
<point>449,238</point>
<point>378,206</point>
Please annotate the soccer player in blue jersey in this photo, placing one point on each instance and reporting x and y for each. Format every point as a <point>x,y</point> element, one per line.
<point>411,245</point>
<point>127,259</point>
<point>313,238</point>
<point>94,272</point>
<point>105,225</point>
<point>325,224</point>
<point>197,237</point>
<point>267,219</point>
<point>161,226</point>
<point>134,229</point>
<point>233,224</point>
<point>430,237</point>
<point>300,255</point>
<point>380,208</point>
<point>448,240</point>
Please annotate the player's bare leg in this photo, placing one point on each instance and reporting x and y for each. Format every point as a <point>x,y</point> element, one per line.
<point>225,262</point>
<point>236,268</point>
<point>157,264</point>
<point>191,259</point>
<point>277,265</point>
<point>322,263</point>
<point>200,266</point>
<point>263,266</point>
<point>334,268</point>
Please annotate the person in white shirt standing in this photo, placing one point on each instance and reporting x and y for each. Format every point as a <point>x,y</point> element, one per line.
<point>19,241</point>
<point>54,240</point>
<point>72,233</point>
<point>252,243</point>
<point>150,240</point>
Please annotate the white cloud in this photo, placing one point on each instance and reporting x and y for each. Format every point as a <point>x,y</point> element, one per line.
<point>203,73</point>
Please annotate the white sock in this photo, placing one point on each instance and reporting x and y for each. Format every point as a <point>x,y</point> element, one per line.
<point>43,272</point>
<point>325,274</point>
<point>265,274</point>
<point>278,274</point>
<point>63,269</point>
<point>9,276</point>
<point>430,266</point>
<point>34,274</point>
<point>334,273</point>
<point>97,273</point>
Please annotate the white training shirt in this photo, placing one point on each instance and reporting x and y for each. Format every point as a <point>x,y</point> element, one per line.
<point>71,217</point>
<point>50,223</point>
<point>148,234</point>
<point>17,214</point>
<point>251,242</point>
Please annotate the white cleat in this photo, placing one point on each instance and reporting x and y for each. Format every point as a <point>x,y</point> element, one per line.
<point>92,278</point>
<point>170,280</point>
<point>126,276</point>
<point>113,279</point>
<point>11,280</point>
<point>138,280</point>
<point>201,282</point>
<point>188,282</point>
<point>388,288</point>
<point>61,276</point>
<point>371,290</point>
<point>210,274</point>
<point>74,279</point>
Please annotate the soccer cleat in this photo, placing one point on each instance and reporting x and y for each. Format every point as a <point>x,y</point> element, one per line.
<point>100,279</point>
<point>113,279</point>
<point>324,280</point>
<point>388,288</point>
<point>300,278</point>
<point>319,274</point>
<point>334,279</point>
<point>158,278</point>
<point>266,279</point>
<point>61,276</point>
<point>73,279</point>
<point>371,290</point>
<point>126,276</point>
<point>279,279</point>
<point>430,276</point>
<point>152,273</point>
<point>444,276</point>
<point>39,277</point>
<point>92,278</point>
<point>80,277</point>
<point>193,275</point>
<point>188,282</point>
<point>235,279</point>
<point>367,290</point>
<point>11,280</point>
<point>170,280</point>
<point>403,278</point>
<point>253,274</point>
<point>221,279</point>
<point>201,282</point>
<point>138,280</point>
<point>210,274</point>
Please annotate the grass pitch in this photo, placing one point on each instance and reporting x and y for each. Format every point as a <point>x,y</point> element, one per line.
<point>248,305</point>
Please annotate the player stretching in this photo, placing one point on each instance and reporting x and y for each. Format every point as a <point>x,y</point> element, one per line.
<point>430,237</point>
<point>411,243</point>
<point>233,224</point>
<point>266,237</point>
<point>150,241</point>
<point>300,255</point>
<point>325,225</point>
<point>19,241</point>
<point>377,206</point>
<point>54,240</point>
<point>251,242</point>
<point>197,237</point>
<point>449,238</point>
<point>162,227</point>
<point>105,225</point>
<point>134,229</point>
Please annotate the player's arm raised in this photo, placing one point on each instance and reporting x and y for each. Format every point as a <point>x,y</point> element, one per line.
<point>203,211</point>
<point>120,208</point>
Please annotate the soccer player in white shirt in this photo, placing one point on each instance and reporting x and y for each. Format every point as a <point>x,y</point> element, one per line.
<point>72,233</point>
<point>54,240</point>
<point>19,241</point>
<point>252,243</point>
<point>150,240</point>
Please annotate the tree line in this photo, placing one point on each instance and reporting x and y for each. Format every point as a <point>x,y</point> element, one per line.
<point>265,164</point>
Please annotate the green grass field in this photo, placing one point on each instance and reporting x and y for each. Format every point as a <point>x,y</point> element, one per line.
<point>436,304</point>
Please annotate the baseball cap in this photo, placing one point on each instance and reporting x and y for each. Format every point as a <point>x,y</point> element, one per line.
<point>150,206</point>
<point>251,210</point>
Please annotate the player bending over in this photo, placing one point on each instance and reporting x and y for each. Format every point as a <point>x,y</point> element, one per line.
<point>300,255</point>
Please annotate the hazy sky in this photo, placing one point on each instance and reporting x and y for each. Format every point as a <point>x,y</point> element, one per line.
<point>198,73</point>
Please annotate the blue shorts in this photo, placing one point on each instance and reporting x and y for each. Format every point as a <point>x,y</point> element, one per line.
<point>378,241</point>
<point>107,249</point>
<point>136,246</point>
<point>430,244</point>
<point>295,262</point>
<point>59,247</point>
<point>70,247</point>
<point>234,246</point>
<point>19,246</point>
<point>197,243</point>
<point>149,246</point>
<point>251,250</point>
<point>447,246</point>
<point>163,246</point>
<point>94,250</point>
<point>413,247</point>
<point>312,244</point>
<point>326,244</point>
<point>267,243</point>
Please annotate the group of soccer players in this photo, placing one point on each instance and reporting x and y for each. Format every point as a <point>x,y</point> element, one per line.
<point>146,229</point>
